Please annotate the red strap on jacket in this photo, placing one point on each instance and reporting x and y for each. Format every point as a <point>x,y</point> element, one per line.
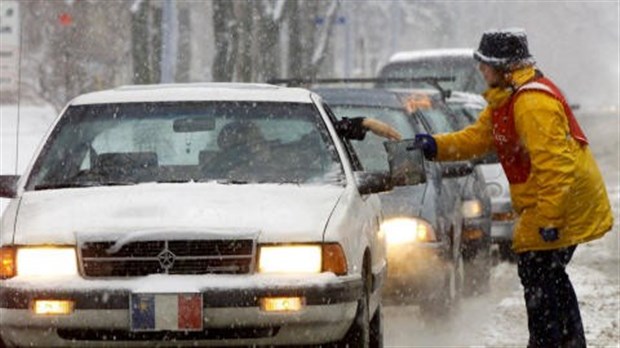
<point>551,89</point>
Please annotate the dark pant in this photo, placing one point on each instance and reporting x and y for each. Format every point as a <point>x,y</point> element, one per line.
<point>553,317</point>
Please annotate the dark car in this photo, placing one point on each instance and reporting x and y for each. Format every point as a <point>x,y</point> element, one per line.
<point>467,107</point>
<point>430,111</point>
<point>422,223</point>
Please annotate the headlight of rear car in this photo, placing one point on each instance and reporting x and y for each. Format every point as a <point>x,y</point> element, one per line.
<point>494,190</point>
<point>46,261</point>
<point>471,209</point>
<point>290,259</point>
<point>407,230</point>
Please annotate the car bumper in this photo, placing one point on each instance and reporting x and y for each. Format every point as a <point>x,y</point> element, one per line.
<point>501,231</point>
<point>231,315</point>
<point>415,270</point>
<point>476,229</point>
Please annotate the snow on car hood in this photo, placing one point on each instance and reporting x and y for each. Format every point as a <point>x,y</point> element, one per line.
<point>275,212</point>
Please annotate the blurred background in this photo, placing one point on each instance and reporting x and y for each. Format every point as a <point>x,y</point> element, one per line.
<point>57,49</point>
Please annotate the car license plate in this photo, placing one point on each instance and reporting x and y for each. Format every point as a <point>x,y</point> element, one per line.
<point>166,312</point>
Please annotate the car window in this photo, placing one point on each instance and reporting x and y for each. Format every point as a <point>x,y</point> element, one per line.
<point>144,142</point>
<point>351,155</point>
<point>371,151</point>
<point>463,69</point>
<point>437,120</point>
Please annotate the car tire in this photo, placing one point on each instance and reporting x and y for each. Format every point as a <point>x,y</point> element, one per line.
<point>358,334</point>
<point>506,253</point>
<point>478,273</point>
<point>444,301</point>
<point>376,329</point>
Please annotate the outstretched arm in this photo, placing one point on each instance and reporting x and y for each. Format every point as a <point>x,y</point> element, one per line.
<point>356,128</point>
<point>472,141</point>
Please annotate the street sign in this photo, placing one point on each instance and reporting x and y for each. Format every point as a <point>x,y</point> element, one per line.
<point>9,45</point>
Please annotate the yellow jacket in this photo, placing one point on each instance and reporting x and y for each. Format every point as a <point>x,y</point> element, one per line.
<point>564,188</point>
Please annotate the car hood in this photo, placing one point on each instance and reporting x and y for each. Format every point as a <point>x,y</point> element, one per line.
<point>403,201</point>
<point>273,212</point>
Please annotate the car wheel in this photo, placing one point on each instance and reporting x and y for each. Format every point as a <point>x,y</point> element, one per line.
<point>478,272</point>
<point>444,301</point>
<point>506,253</point>
<point>376,329</point>
<point>359,332</point>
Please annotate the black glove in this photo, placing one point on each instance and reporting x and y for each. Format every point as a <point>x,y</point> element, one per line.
<point>549,234</point>
<point>427,143</point>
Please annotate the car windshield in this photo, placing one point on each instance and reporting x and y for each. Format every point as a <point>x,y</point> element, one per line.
<point>466,114</point>
<point>464,70</point>
<point>370,151</point>
<point>232,142</point>
<point>438,120</point>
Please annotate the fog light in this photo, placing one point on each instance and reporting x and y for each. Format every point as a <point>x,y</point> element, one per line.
<point>53,307</point>
<point>281,304</point>
<point>472,234</point>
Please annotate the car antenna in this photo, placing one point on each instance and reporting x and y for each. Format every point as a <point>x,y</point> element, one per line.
<point>19,91</point>
<point>434,81</point>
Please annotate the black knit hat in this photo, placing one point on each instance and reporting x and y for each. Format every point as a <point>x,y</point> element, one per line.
<point>500,48</point>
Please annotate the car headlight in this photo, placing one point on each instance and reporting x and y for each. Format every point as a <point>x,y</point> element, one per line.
<point>494,190</point>
<point>407,230</point>
<point>46,261</point>
<point>471,209</point>
<point>290,259</point>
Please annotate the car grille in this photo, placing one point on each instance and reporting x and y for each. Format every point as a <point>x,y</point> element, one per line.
<point>139,258</point>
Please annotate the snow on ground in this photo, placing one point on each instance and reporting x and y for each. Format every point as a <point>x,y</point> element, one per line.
<point>495,319</point>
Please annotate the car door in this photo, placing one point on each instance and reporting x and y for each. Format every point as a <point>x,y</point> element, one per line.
<point>448,199</point>
<point>368,207</point>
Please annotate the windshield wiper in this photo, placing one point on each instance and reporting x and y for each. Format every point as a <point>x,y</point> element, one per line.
<point>232,182</point>
<point>175,181</point>
<point>80,184</point>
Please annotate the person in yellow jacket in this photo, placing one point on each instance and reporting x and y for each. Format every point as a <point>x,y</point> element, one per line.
<point>555,184</point>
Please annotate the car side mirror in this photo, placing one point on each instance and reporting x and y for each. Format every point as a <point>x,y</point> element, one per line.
<point>489,158</point>
<point>368,182</point>
<point>456,169</point>
<point>8,186</point>
<point>406,162</point>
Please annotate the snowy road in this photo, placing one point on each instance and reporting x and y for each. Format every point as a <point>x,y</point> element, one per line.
<point>498,319</point>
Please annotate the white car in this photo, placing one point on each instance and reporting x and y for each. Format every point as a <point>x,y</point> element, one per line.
<point>210,214</point>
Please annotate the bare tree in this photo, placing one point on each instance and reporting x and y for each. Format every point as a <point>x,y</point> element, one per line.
<point>246,36</point>
<point>72,48</point>
<point>270,17</point>
<point>225,27</point>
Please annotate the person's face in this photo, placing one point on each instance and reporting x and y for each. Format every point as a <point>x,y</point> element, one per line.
<point>491,75</point>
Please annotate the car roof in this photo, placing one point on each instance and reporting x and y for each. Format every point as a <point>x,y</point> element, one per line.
<point>406,56</point>
<point>196,92</point>
<point>458,97</point>
<point>359,97</point>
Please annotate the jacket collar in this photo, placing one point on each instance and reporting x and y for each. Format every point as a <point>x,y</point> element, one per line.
<point>520,77</point>
<point>497,96</point>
